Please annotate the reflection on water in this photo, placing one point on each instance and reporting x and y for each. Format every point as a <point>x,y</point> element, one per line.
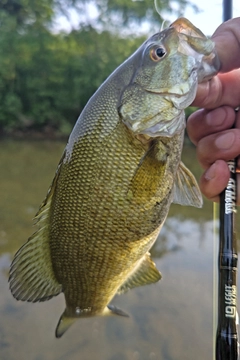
<point>171,320</point>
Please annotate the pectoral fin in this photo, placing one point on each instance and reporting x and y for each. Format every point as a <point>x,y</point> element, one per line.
<point>186,189</point>
<point>145,273</point>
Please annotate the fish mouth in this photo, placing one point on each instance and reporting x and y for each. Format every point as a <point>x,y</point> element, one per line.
<point>194,43</point>
<point>184,26</point>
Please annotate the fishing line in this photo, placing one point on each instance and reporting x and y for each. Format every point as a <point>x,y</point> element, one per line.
<point>165,23</point>
<point>157,7</point>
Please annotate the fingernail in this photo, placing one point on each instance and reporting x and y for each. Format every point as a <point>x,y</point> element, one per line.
<point>216,117</point>
<point>225,141</point>
<point>210,173</point>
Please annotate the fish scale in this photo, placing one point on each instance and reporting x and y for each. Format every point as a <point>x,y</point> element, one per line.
<point>119,173</point>
<point>106,202</point>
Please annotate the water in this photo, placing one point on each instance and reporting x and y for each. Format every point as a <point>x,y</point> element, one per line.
<point>171,320</point>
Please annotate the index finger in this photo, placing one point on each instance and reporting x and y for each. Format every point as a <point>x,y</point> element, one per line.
<point>227,41</point>
<point>221,90</point>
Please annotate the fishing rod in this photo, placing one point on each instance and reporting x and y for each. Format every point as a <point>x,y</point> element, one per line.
<point>227,336</point>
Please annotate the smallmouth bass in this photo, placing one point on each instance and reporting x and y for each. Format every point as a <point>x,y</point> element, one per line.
<point>119,173</point>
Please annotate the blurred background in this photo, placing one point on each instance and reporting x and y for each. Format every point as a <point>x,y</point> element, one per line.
<point>53,55</point>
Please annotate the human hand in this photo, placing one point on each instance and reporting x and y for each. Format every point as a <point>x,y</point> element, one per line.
<point>210,129</point>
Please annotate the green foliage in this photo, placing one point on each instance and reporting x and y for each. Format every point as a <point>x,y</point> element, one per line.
<point>126,12</point>
<point>46,78</point>
<point>190,110</point>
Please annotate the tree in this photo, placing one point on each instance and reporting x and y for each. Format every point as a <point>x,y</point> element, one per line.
<point>47,78</point>
<point>122,14</point>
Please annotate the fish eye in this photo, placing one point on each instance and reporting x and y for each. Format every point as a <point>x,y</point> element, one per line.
<point>157,53</point>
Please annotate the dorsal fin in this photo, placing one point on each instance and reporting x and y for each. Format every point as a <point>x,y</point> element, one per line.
<point>145,273</point>
<point>31,273</point>
<point>186,189</point>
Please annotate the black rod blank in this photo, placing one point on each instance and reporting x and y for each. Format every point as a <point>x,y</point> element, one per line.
<point>227,337</point>
<point>227,10</point>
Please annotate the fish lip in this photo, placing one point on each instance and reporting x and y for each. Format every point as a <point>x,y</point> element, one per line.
<point>183,26</point>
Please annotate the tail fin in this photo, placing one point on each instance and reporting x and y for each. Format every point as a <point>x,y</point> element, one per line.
<point>63,324</point>
<point>113,310</point>
<point>66,320</point>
